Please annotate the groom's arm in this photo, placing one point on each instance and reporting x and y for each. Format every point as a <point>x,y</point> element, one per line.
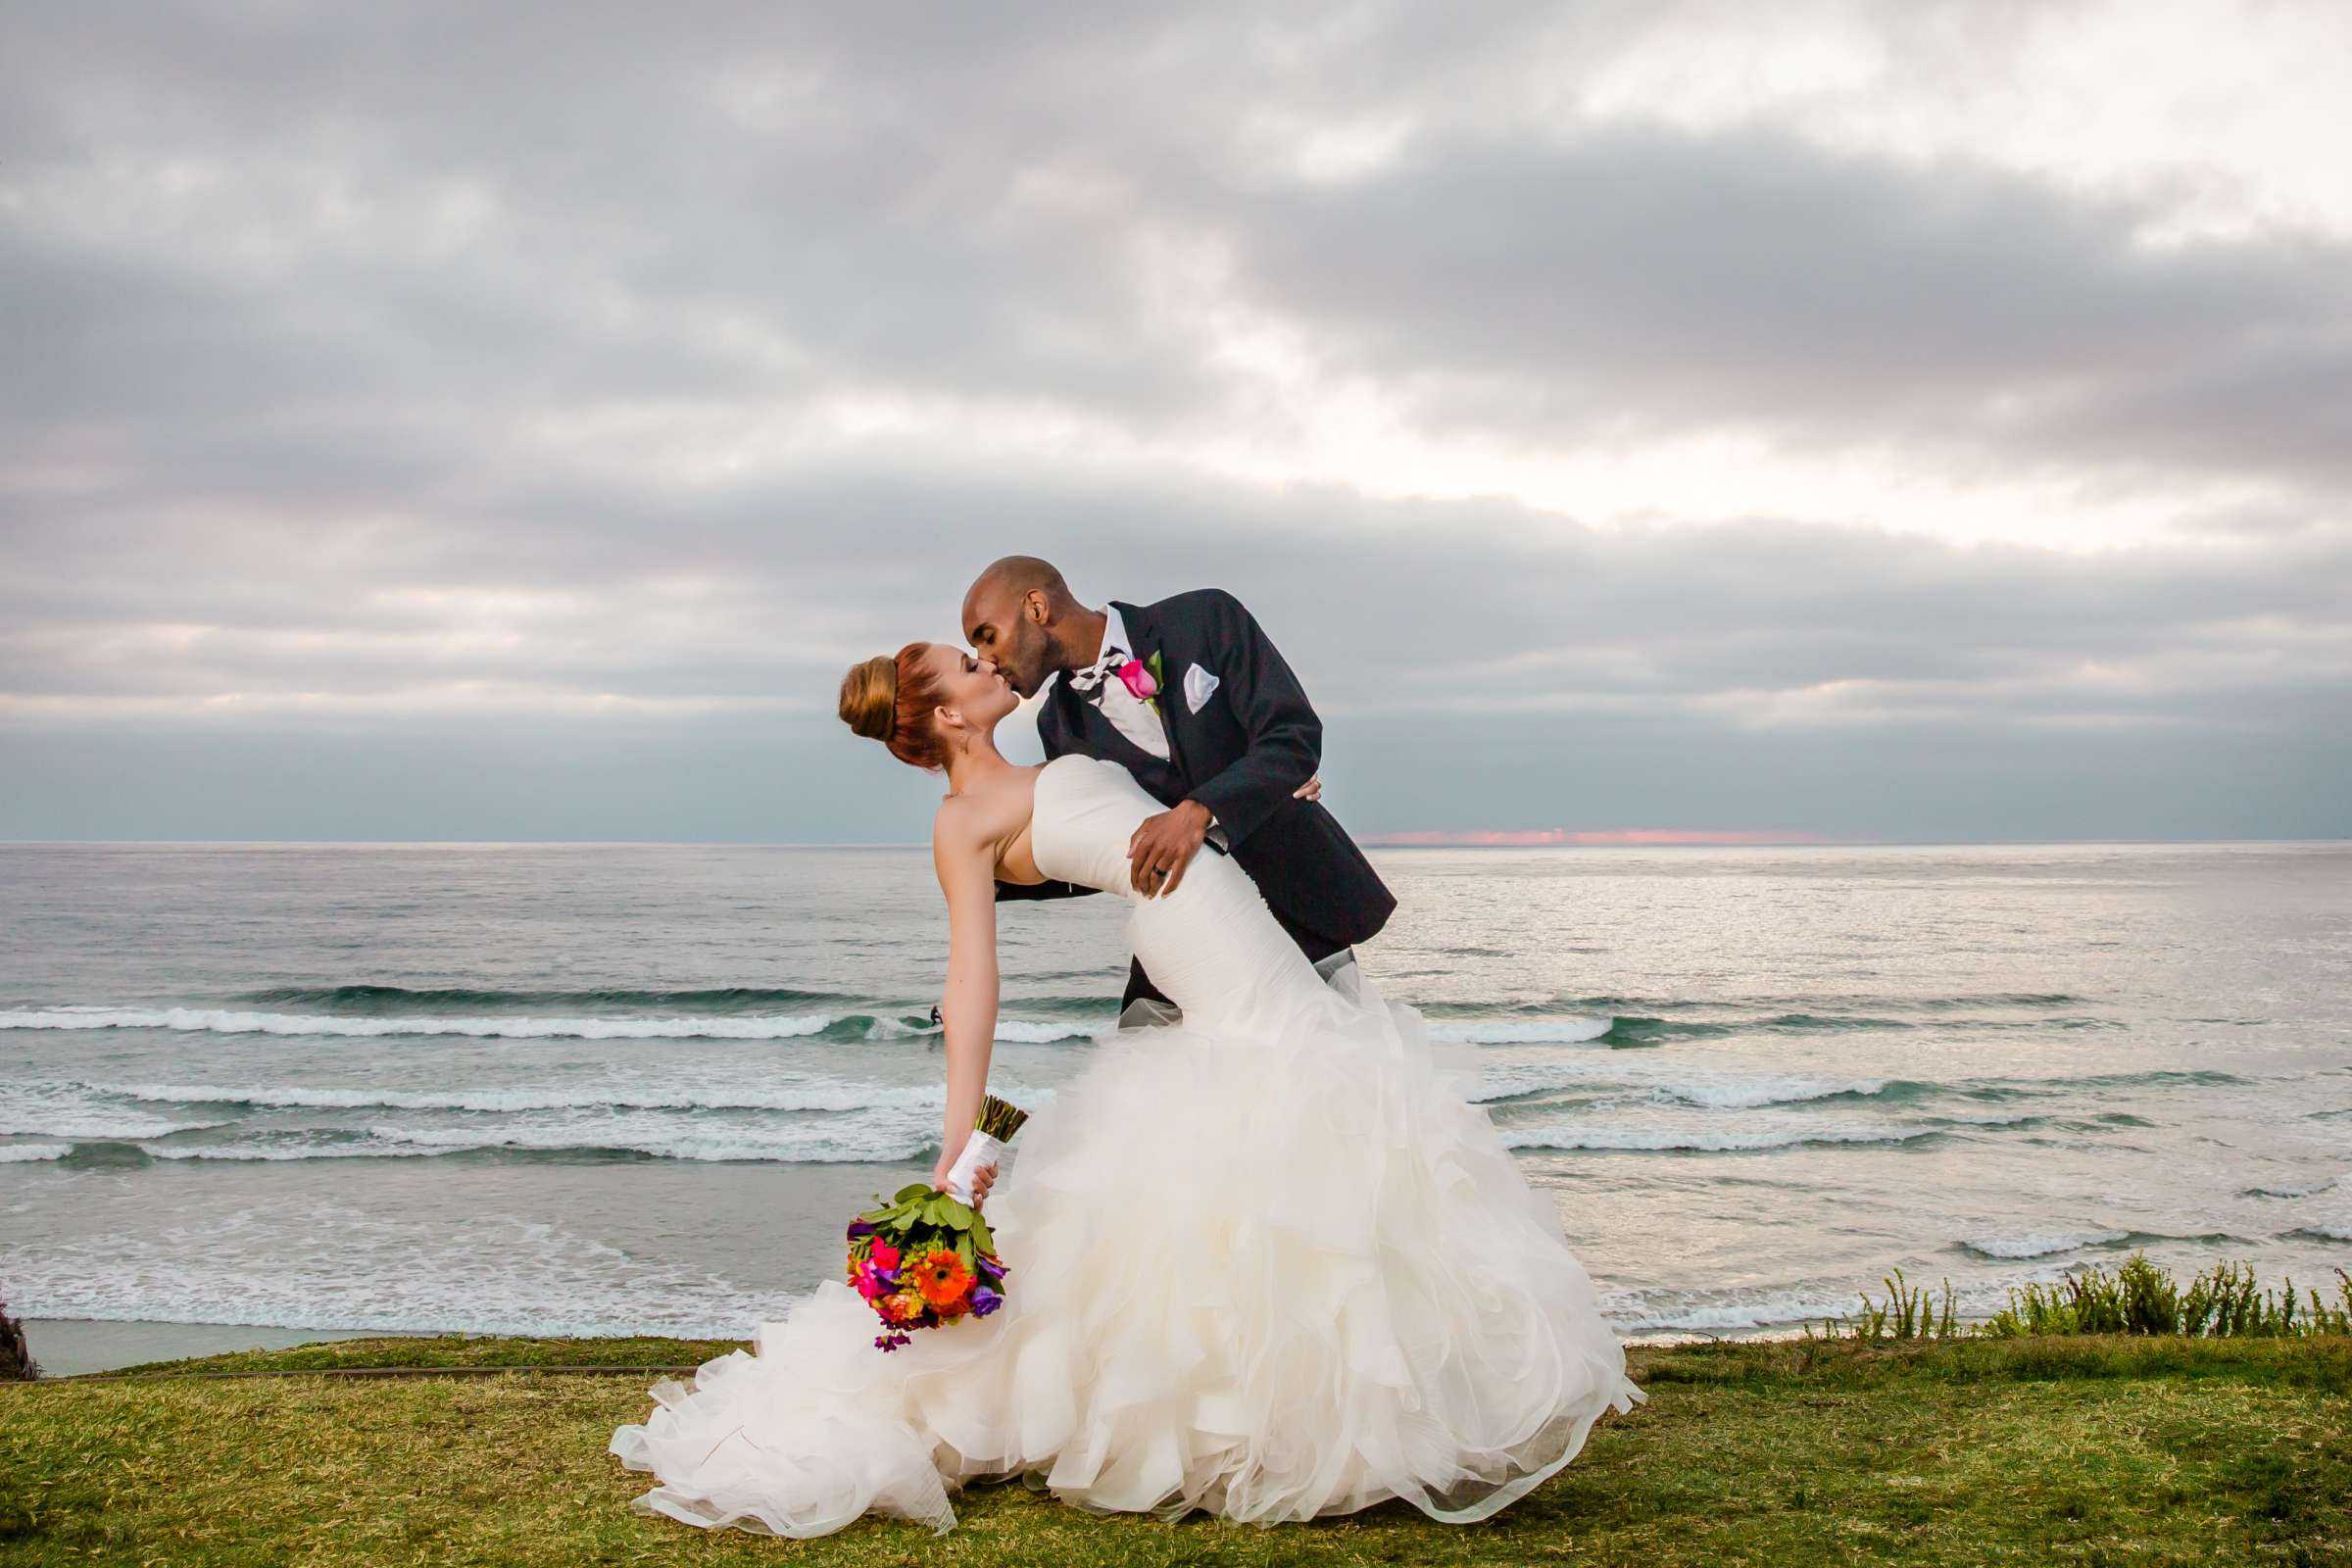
<point>1286,738</point>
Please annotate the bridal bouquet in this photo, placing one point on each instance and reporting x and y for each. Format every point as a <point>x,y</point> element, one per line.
<point>927,1257</point>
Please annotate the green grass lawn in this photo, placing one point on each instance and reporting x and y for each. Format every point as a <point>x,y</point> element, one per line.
<point>2057,1451</point>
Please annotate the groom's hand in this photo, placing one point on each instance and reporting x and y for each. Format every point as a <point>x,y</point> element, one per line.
<point>1164,846</point>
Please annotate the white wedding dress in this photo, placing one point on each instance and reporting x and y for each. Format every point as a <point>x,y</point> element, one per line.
<point>1267,1262</point>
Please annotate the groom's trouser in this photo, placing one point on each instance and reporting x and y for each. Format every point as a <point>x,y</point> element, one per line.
<point>1327,955</point>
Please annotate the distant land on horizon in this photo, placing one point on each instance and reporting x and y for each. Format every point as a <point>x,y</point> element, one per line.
<point>1537,837</point>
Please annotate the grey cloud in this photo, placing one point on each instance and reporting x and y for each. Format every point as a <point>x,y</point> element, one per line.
<point>294,295</point>
<point>631,237</point>
<point>799,778</point>
<point>1471,674</point>
<point>1642,278</point>
<point>789,203</point>
<point>767,590</point>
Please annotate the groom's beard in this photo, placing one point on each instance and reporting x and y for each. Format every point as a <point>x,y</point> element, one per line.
<point>1056,663</point>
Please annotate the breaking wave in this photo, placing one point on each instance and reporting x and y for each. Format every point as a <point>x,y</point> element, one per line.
<point>489,1026</point>
<point>2043,1244</point>
<point>1709,1140</point>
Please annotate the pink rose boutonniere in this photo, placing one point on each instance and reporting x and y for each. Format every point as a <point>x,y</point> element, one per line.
<point>1137,678</point>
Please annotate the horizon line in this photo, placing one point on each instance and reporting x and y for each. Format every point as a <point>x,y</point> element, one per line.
<point>1541,838</point>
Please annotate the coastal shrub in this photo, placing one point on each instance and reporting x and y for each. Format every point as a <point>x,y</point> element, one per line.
<point>1906,1314</point>
<point>2226,1301</point>
<point>2140,1297</point>
<point>15,1357</point>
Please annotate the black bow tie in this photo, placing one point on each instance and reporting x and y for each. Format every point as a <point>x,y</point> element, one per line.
<point>1092,677</point>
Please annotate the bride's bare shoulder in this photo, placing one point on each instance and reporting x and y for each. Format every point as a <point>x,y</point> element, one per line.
<point>986,812</point>
<point>955,823</point>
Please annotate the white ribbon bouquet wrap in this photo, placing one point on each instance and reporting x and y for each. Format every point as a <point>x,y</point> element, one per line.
<point>978,1150</point>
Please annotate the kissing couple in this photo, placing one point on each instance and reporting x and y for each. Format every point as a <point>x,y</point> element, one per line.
<point>1268,1259</point>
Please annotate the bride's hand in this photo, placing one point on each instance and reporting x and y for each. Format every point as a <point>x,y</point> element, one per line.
<point>983,1177</point>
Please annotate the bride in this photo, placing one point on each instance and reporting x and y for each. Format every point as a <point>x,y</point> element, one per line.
<point>1266,1261</point>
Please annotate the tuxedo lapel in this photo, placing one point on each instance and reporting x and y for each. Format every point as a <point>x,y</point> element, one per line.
<point>1145,633</point>
<point>1058,724</point>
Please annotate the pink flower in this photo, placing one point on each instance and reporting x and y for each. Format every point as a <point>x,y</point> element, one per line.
<point>882,1255</point>
<point>1138,677</point>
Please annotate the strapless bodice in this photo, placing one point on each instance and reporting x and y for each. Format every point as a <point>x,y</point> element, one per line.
<point>1085,814</point>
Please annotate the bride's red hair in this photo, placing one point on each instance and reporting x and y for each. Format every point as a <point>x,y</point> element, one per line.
<point>890,698</point>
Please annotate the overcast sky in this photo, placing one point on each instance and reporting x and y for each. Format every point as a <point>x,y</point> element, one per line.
<point>1913,421</point>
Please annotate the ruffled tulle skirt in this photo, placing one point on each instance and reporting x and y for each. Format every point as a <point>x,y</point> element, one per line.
<point>1269,1278</point>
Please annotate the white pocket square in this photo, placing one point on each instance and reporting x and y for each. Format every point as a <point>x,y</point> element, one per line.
<point>1198,687</point>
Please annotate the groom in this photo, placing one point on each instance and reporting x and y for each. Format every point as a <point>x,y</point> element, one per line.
<point>1190,698</point>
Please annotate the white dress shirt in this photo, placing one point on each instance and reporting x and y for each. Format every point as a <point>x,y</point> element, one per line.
<point>1126,712</point>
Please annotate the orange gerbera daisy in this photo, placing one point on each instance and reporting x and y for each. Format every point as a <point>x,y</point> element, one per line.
<point>942,1278</point>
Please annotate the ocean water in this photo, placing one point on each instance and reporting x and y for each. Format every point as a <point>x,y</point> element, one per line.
<point>608,1089</point>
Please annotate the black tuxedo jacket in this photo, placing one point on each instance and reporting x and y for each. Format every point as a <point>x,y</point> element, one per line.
<point>1253,742</point>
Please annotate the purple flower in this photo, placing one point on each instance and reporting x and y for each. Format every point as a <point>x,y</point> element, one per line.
<point>985,1301</point>
<point>890,1342</point>
<point>859,1227</point>
<point>991,1268</point>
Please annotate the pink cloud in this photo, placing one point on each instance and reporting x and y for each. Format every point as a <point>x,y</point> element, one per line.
<point>1536,837</point>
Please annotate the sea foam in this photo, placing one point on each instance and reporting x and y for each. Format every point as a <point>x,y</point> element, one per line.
<point>227,1022</point>
<point>1729,1093</point>
<point>325,1026</point>
<point>1709,1140</point>
<point>880,1140</point>
<point>807,1096</point>
<point>40,1111</point>
<point>1521,1031</point>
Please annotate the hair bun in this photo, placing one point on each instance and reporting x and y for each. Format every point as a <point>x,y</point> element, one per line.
<point>870,698</point>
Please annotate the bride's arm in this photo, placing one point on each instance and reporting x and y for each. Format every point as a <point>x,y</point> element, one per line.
<point>964,855</point>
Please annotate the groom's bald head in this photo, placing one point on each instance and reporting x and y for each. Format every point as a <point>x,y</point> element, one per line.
<point>1020,613</point>
<point>1021,575</point>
